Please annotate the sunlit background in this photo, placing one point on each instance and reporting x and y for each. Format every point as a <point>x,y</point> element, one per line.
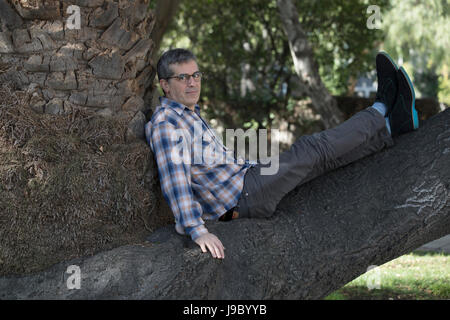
<point>243,49</point>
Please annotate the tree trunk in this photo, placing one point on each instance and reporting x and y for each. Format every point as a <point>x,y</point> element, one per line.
<point>323,234</point>
<point>164,12</point>
<point>309,82</point>
<point>102,64</point>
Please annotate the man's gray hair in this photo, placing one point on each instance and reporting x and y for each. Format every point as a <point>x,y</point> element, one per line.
<point>172,56</point>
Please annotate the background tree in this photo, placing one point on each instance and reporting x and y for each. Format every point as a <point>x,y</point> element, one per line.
<point>420,39</point>
<point>243,48</point>
<point>306,68</point>
<point>165,10</point>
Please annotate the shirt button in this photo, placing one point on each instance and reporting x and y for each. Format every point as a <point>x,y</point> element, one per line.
<point>246,194</point>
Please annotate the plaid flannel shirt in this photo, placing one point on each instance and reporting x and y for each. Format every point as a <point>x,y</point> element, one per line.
<point>195,190</point>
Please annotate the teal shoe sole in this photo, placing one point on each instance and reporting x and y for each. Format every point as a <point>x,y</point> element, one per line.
<point>415,115</point>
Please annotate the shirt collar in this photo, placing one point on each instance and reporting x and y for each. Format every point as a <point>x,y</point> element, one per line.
<point>178,107</point>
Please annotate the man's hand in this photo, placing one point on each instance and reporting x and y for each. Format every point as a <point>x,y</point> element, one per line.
<point>213,243</point>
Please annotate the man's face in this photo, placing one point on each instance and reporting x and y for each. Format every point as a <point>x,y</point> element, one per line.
<point>186,93</point>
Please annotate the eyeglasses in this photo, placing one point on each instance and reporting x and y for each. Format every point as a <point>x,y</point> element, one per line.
<point>197,76</point>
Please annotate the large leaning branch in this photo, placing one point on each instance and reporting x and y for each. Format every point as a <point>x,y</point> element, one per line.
<point>324,234</point>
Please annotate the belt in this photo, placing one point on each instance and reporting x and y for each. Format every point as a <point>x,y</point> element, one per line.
<point>229,215</point>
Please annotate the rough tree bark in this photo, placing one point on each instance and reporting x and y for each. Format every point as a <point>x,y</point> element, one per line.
<point>308,82</point>
<point>103,65</point>
<point>324,234</point>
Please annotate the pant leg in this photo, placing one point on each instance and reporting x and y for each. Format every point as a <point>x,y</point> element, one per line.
<point>311,156</point>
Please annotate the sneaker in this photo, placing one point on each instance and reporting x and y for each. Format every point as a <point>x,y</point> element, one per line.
<point>404,117</point>
<point>387,80</point>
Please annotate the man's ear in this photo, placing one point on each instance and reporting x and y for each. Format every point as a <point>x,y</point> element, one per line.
<point>164,85</point>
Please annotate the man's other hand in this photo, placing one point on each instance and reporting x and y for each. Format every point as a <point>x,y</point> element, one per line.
<point>213,244</point>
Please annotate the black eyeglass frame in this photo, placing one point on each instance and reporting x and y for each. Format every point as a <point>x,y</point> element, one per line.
<point>199,73</point>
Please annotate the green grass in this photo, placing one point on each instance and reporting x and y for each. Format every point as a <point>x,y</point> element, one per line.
<point>415,276</point>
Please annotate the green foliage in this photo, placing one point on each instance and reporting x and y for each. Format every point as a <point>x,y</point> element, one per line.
<point>242,47</point>
<point>444,86</point>
<point>417,32</point>
<point>343,45</point>
<point>243,57</point>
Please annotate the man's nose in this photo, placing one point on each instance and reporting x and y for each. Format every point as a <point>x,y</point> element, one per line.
<point>190,81</point>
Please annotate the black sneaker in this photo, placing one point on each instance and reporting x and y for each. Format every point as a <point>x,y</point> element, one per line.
<point>404,117</point>
<point>387,80</point>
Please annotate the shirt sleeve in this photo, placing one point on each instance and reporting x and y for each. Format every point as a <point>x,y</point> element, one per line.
<point>175,177</point>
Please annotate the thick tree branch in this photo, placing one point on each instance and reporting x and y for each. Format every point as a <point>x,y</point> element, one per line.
<point>324,234</point>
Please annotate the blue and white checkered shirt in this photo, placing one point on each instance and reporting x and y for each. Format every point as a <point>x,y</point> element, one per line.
<point>196,185</point>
